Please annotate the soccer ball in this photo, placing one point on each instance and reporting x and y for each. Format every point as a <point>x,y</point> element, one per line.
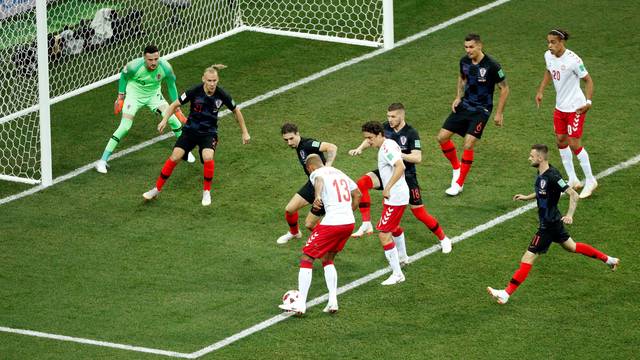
<point>290,297</point>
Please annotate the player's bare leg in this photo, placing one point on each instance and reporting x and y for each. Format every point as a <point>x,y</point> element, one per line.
<point>296,203</point>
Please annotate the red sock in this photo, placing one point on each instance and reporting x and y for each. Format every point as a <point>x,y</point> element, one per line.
<point>166,171</point>
<point>432,223</point>
<point>364,184</point>
<point>577,151</point>
<point>389,246</point>
<point>306,264</point>
<point>588,250</point>
<point>292,220</point>
<point>209,166</point>
<point>449,151</point>
<point>518,277</point>
<point>467,160</point>
<point>327,263</point>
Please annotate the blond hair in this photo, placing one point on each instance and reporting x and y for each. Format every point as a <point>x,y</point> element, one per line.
<point>214,68</point>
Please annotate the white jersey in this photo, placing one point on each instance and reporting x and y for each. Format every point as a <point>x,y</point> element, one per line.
<point>388,155</point>
<point>336,195</point>
<point>566,72</point>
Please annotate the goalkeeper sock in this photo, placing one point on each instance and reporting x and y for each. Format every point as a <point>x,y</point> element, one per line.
<point>176,125</point>
<point>119,134</point>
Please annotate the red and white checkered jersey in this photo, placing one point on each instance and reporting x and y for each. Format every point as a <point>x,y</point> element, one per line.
<point>336,195</point>
<point>388,155</point>
<point>566,72</point>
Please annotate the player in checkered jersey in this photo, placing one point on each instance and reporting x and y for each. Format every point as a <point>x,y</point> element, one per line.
<point>566,69</point>
<point>339,196</point>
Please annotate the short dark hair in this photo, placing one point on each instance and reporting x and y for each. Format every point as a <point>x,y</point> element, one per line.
<point>150,49</point>
<point>288,128</point>
<point>472,37</point>
<point>541,148</point>
<point>395,106</point>
<point>373,127</point>
<point>562,34</point>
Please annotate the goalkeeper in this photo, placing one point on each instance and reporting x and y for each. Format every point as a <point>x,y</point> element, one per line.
<point>141,81</point>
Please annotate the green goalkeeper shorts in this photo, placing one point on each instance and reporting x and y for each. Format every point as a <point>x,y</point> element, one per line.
<point>132,103</point>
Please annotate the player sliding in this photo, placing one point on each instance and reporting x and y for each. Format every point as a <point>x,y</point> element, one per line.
<point>408,139</point>
<point>140,85</point>
<point>201,129</point>
<point>548,187</point>
<point>339,196</point>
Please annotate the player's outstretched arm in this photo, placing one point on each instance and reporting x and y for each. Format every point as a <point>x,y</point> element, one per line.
<point>415,157</point>
<point>360,148</point>
<point>524,197</point>
<point>170,111</point>
<point>546,79</point>
<point>331,150</point>
<point>240,119</point>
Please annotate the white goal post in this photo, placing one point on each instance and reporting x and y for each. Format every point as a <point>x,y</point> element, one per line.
<point>47,45</point>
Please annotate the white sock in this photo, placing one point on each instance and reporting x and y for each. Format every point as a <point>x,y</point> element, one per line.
<point>394,261</point>
<point>567,160</point>
<point>304,283</point>
<point>331,278</point>
<point>400,245</point>
<point>583,156</point>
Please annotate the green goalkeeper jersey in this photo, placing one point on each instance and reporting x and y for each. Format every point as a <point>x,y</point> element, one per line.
<point>137,80</point>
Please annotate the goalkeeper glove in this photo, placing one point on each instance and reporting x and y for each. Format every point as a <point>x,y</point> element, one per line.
<point>181,116</point>
<point>117,106</point>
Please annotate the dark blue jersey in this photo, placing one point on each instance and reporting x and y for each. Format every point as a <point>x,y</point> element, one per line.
<point>307,147</point>
<point>408,139</point>
<point>548,187</point>
<point>480,79</point>
<point>203,117</point>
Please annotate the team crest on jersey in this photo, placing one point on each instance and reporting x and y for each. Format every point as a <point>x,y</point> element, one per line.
<point>483,73</point>
<point>218,103</point>
<point>302,154</point>
<point>158,76</point>
<point>403,140</point>
<point>543,184</point>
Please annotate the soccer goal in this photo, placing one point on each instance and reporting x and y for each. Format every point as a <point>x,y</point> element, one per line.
<point>51,50</point>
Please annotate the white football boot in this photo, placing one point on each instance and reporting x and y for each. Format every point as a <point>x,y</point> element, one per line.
<point>446,245</point>
<point>101,166</point>
<point>288,236</point>
<point>151,194</point>
<point>455,176</point>
<point>206,198</point>
<point>589,187</point>
<point>294,307</point>
<point>191,158</point>
<point>394,279</point>
<point>501,296</point>
<point>365,229</point>
<point>613,263</point>
<point>454,190</point>
<point>331,308</point>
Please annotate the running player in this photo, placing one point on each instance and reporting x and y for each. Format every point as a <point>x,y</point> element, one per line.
<point>548,187</point>
<point>339,196</point>
<point>201,129</point>
<point>395,193</point>
<point>479,74</point>
<point>566,69</point>
<point>304,147</point>
<point>141,81</point>
<point>407,138</point>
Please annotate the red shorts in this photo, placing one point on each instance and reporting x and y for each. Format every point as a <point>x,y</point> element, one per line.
<point>327,238</point>
<point>391,216</point>
<point>568,123</point>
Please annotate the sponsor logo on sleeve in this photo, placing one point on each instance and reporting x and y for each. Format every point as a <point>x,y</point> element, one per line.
<point>390,156</point>
<point>561,183</point>
<point>501,73</point>
<point>183,97</point>
<point>582,68</point>
<point>417,144</point>
<point>315,144</point>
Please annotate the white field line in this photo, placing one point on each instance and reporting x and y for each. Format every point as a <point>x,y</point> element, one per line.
<point>272,93</point>
<point>321,299</point>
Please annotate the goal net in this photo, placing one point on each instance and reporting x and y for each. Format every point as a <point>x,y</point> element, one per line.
<point>88,41</point>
